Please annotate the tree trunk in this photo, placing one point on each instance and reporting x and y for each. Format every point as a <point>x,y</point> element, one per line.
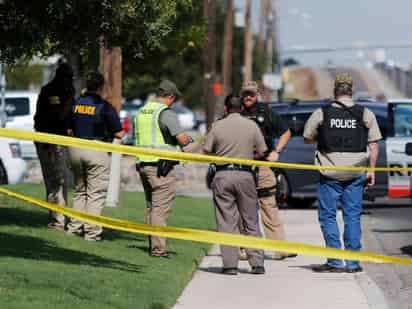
<point>74,61</point>
<point>111,68</point>
<point>209,59</point>
<point>227,49</point>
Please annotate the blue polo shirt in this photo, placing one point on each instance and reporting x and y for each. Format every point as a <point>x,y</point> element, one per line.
<point>94,118</point>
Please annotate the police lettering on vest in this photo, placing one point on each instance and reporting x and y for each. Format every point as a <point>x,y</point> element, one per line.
<point>343,123</point>
<point>88,118</point>
<point>343,130</point>
<point>85,109</point>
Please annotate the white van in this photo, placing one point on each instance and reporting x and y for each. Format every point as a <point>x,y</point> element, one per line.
<point>20,109</point>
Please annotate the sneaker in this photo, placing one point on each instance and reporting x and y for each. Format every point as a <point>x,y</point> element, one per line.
<point>230,271</point>
<point>326,268</point>
<point>74,233</point>
<point>56,227</point>
<point>93,238</point>
<point>354,270</point>
<point>160,254</point>
<point>258,270</point>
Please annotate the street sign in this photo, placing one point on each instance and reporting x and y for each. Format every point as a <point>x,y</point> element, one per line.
<point>272,81</point>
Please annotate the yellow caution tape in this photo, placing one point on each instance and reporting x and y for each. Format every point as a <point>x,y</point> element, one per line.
<point>177,156</point>
<point>212,237</point>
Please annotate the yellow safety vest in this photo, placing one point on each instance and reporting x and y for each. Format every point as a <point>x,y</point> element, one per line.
<point>147,130</point>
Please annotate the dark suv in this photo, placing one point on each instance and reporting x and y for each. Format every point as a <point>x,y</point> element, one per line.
<point>299,187</point>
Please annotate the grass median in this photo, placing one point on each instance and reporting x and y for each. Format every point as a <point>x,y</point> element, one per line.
<point>42,268</point>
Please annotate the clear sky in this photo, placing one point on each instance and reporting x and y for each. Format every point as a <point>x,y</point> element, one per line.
<point>330,23</point>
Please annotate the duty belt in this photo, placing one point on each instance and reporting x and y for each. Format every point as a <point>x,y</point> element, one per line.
<point>143,164</point>
<point>233,167</point>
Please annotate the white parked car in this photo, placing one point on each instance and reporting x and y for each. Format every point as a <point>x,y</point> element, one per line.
<point>185,116</point>
<point>12,166</point>
<point>20,109</point>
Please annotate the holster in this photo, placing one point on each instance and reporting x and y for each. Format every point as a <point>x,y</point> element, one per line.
<point>266,192</point>
<point>211,172</point>
<point>164,167</point>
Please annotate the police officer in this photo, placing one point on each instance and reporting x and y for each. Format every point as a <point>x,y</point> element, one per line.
<point>234,186</point>
<point>344,132</point>
<point>271,126</point>
<point>157,126</point>
<point>91,118</point>
<point>52,109</point>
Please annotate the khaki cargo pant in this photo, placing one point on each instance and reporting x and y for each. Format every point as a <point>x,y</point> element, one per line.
<point>269,211</point>
<point>91,180</point>
<point>235,198</point>
<point>54,165</point>
<point>160,193</point>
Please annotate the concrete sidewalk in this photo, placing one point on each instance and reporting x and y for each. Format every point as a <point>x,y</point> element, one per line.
<point>287,284</point>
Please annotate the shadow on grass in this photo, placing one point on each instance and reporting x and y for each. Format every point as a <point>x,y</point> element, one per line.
<point>113,235</point>
<point>23,217</point>
<point>145,249</point>
<point>157,306</point>
<point>29,247</point>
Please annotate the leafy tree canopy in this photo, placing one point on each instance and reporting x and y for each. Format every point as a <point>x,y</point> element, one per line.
<point>48,27</point>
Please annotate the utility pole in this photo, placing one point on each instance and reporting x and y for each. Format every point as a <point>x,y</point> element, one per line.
<point>276,41</point>
<point>227,49</point>
<point>269,42</point>
<point>262,27</point>
<point>248,48</point>
<point>209,59</point>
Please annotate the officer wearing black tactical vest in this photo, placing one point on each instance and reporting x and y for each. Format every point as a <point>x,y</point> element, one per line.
<point>52,109</point>
<point>91,118</point>
<point>271,126</point>
<point>344,132</point>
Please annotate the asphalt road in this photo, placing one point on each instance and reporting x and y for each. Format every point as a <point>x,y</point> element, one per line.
<point>388,230</point>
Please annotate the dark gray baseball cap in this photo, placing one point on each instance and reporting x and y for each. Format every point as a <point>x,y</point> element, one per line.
<point>166,86</point>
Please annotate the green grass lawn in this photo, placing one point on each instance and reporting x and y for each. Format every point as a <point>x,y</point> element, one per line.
<point>41,268</point>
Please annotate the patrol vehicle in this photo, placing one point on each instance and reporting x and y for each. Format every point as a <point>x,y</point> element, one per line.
<point>299,187</point>
<point>20,109</point>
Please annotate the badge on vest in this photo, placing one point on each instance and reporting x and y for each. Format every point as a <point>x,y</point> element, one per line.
<point>342,123</point>
<point>54,100</point>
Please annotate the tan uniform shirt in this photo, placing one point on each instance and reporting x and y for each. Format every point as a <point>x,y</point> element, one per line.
<point>235,136</point>
<point>342,158</point>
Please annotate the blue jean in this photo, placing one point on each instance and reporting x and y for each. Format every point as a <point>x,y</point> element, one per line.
<point>350,194</point>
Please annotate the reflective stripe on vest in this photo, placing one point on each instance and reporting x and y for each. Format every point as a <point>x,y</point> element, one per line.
<point>148,132</point>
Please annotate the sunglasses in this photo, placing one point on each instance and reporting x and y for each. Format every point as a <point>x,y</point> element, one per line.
<point>249,94</point>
